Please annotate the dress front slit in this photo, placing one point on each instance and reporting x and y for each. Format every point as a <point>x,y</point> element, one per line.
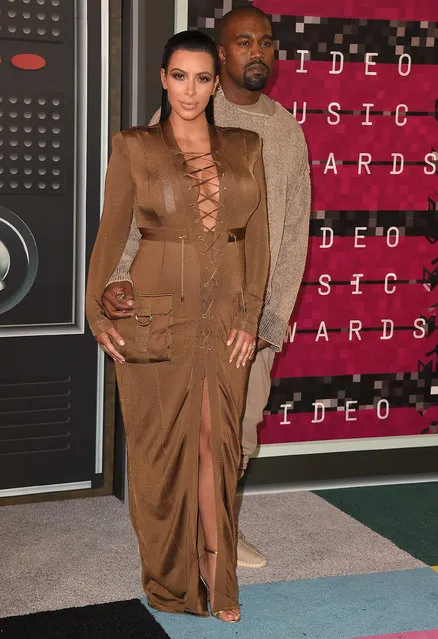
<point>204,259</point>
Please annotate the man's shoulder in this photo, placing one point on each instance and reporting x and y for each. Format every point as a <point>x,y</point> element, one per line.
<point>286,119</point>
<point>280,121</point>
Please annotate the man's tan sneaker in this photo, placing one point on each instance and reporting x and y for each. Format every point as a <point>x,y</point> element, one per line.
<point>247,555</point>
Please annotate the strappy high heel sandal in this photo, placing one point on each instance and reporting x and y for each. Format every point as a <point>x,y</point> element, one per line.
<point>218,613</point>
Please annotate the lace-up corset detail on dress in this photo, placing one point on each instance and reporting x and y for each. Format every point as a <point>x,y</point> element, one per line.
<point>204,170</point>
<point>205,173</point>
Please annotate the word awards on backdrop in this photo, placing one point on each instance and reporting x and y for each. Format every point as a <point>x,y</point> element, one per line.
<point>360,355</point>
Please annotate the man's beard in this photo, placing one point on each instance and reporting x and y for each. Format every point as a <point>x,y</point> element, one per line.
<point>256,83</point>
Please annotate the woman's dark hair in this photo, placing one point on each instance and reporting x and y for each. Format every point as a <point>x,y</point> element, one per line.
<point>188,41</point>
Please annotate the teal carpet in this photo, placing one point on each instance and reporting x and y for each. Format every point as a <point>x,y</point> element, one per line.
<point>406,514</point>
<point>331,608</point>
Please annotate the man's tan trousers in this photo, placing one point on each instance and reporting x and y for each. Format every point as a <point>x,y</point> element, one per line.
<point>259,387</point>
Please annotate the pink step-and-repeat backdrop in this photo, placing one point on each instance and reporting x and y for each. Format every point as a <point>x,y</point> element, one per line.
<point>360,357</point>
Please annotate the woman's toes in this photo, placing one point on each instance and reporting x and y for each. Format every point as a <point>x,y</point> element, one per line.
<point>231,615</point>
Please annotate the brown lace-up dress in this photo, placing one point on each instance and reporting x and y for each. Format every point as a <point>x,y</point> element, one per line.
<point>201,270</point>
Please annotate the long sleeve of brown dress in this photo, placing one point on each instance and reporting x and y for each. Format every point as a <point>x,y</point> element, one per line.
<point>196,284</point>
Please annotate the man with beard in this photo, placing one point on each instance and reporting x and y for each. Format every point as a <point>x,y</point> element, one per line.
<point>246,53</point>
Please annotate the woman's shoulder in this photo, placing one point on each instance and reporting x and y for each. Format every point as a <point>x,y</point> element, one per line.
<point>133,131</point>
<point>129,139</point>
<point>232,132</point>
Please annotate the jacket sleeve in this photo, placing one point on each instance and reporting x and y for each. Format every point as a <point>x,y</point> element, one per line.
<point>286,278</point>
<point>112,234</point>
<point>257,255</point>
<point>121,272</point>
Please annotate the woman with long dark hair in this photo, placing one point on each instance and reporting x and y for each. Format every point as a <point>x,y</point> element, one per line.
<point>197,193</point>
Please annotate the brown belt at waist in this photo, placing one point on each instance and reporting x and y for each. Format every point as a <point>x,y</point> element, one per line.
<point>173,235</point>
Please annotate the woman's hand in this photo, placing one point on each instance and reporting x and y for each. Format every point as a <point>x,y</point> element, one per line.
<point>105,341</point>
<point>244,346</point>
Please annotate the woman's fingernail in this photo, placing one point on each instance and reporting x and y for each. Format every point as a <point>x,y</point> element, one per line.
<point>122,343</point>
<point>231,360</point>
<point>229,343</point>
<point>237,366</point>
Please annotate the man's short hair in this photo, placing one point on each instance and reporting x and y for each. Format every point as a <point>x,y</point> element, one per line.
<point>226,19</point>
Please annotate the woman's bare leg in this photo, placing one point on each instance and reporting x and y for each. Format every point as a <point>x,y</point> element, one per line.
<point>207,503</point>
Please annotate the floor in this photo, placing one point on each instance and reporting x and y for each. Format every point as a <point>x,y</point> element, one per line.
<point>342,563</point>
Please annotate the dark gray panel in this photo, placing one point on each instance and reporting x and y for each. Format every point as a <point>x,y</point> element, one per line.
<point>48,384</point>
<point>149,29</point>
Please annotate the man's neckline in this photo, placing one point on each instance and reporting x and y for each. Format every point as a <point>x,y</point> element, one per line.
<point>242,108</point>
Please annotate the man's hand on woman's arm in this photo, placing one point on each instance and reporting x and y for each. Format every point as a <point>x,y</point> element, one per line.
<point>118,300</point>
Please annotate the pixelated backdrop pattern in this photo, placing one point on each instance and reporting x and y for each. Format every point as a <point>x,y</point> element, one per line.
<point>360,356</point>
